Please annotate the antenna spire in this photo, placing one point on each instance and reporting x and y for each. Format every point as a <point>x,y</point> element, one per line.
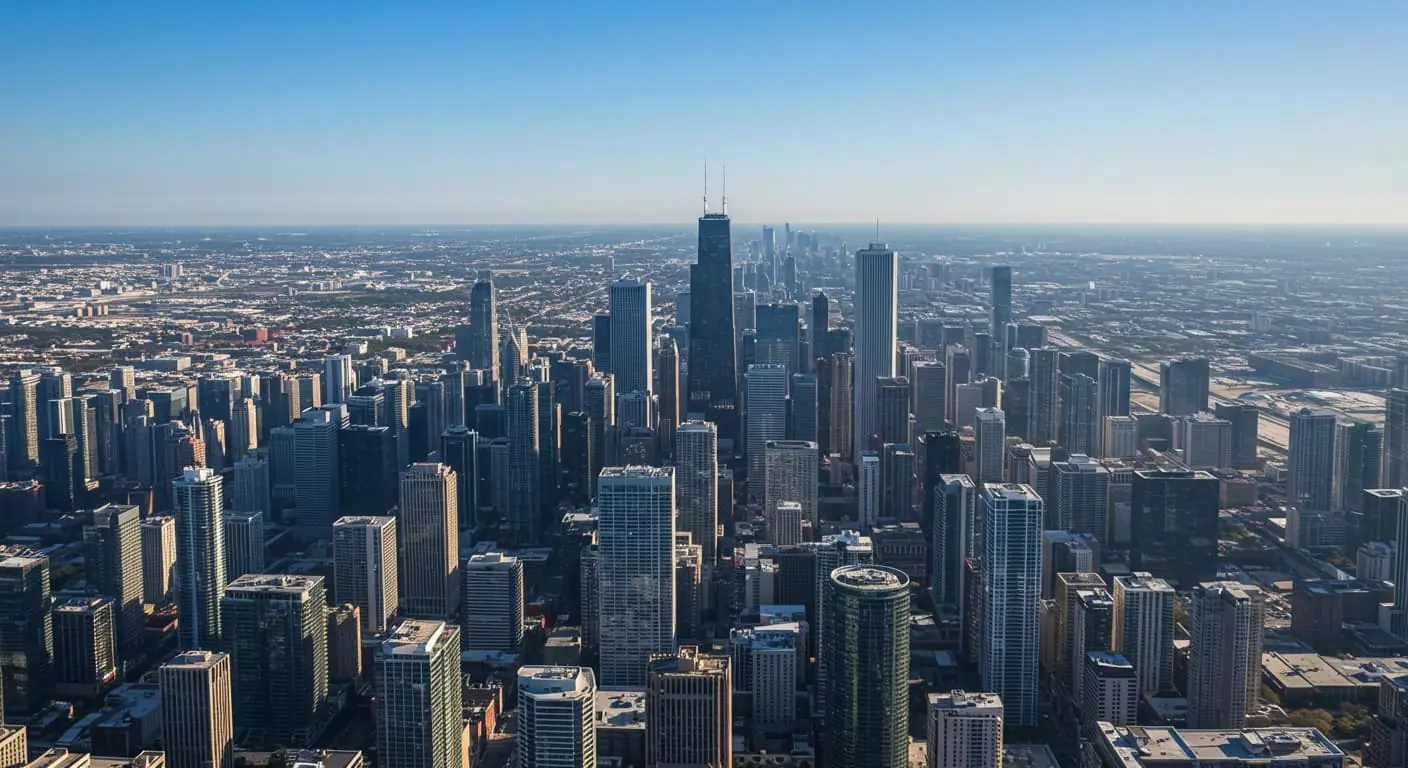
<point>877,229</point>
<point>725,202</point>
<point>706,187</point>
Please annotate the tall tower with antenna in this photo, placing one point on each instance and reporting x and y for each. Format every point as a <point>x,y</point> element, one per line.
<point>712,384</point>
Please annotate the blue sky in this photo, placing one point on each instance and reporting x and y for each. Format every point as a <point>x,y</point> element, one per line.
<point>267,112</point>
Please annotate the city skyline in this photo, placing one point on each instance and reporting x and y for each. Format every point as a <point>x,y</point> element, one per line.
<point>1020,114</point>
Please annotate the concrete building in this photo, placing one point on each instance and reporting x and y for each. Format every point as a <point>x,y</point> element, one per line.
<point>636,545</point>
<point>197,724</point>
<point>365,568</point>
<point>1111,691</point>
<point>419,712</point>
<point>965,730</point>
<point>791,468</point>
<point>158,559</point>
<point>429,539</point>
<point>1310,463</point>
<point>1224,667</point>
<point>493,603</point>
<point>991,446</point>
<point>768,663</point>
<point>766,418</point>
<point>1080,502</point>
<point>112,554</point>
<point>557,717</point>
<point>244,543</point>
<point>1143,629</point>
<point>876,334</point>
<point>689,709</point>
<point>697,484</point>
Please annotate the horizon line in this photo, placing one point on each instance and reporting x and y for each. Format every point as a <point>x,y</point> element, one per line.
<point>1377,224</point>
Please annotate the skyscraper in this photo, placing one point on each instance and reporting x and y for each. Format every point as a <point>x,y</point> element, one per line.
<point>524,465</point>
<point>419,717</point>
<point>493,603</point>
<point>1224,661</point>
<point>197,720</point>
<point>482,341</point>
<point>991,446</point>
<point>670,395</point>
<point>1112,394</point>
<point>23,443</point>
<point>802,416</point>
<point>712,385</point>
<point>339,380</point>
<point>791,475</point>
<point>953,536</point>
<point>1173,524</point>
<point>200,558</point>
<point>841,414</point>
<point>689,709</point>
<point>277,637</point>
<point>27,642</point>
<point>429,541</point>
<point>930,396</point>
<point>1206,441</point>
<point>459,450</point>
<point>253,484</point>
<point>1358,459</point>
<point>556,717</point>
<point>636,542</point>
<point>891,411</point>
<point>1143,628</point>
<point>113,554</point>
<point>632,342</point>
<point>367,465</point>
<point>1012,522</point>
<point>866,625</point>
<point>1079,406</point>
<point>1080,498</point>
<point>1183,386</point>
<point>1395,465</point>
<point>365,571</point>
<point>1310,462</point>
<point>1045,405</point>
<point>158,559</point>
<point>965,730</point>
<point>317,490</point>
<point>697,485</point>
<point>244,543</point>
<point>778,337</point>
<point>1001,301</point>
<point>868,491</point>
<point>1109,690</point>
<point>876,334</point>
<point>766,418</point>
<point>1244,418</point>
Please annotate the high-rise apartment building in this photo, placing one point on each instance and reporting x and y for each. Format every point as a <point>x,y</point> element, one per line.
<point>841,413</point>
<point>953,534</point>
<point>1080,404</point>
<point>1012,521</point>
<point>481,348</point>
<point>317,490</point>
<point>27,642</point>
<point>429,539</point>
<point>158,559</point>
<point>1143,629</point>
<point>556,717</point>
<point>990,448</point>
<point>689,709</point>
<point>524,462</point>
<point>1244,418</point>
<point>244,543</point>
<point>1224,661</point>
<point>1113,387</point>
<point>112,552</point>
<point>197,711</point>
<point>964,730</point>
<point>1044,408</point>
<point>1001,303</point>
<point>365,568</point>
<point>493,603</point>
<point>866,626</point>
<point>1310,461</point>
<point>697,485</point>
<point>339,379</point>
<point>766,418</point>
<point>636,543</point>
<point>1110,690</point>
<point>930,396</point>
<point>200,558</point>
<point>1080,498</point>
<point>891,411</point>
<point>791,468</point>
<point>276,633</point>
<point>876,334</point>
<point>419,708</point>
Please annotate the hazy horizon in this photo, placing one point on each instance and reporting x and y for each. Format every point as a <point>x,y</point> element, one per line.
<point>1020,113</point>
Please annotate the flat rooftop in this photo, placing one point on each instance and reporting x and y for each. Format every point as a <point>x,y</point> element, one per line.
<point>1145,746</point>
<point>273,583</point>
<point>413,636</point>
<point>620,708</point>
<point>555,682</point>
<point>870,577</point>
<point>363,520</point>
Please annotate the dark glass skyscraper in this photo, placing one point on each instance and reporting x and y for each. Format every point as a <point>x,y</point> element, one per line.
<point>1001,300</point>
<point>713,381</point>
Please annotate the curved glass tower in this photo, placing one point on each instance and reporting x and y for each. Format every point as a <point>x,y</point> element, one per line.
<point>867,647</point>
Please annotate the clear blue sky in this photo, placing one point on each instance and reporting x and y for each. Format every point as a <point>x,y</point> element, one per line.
<point>270,112</point>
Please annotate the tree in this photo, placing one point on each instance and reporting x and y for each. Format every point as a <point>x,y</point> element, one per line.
<point>1318,719</point>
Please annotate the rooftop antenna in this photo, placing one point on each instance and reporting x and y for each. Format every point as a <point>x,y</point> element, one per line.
<point>706,187</point>
<point>725,202</point>
<point>877,229</point>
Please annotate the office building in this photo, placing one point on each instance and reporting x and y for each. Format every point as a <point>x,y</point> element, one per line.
<point>1206,441</point>
<point>1110,691</point>
<point>339,380</point>
<point>368,460</point>
<point>317,490</point>
<point>868,490</point>
<point>419,708</point>
<point>112,553</point>
<point>991,446</point>
<point>1224,661</point>
<point>493,603</point>
<point>197,721</point>
<point>891,412</point>
<point>841,413</point>
<point>253,484</point>
<point>791,468</point>
<point>802,418</point>
<point>876,335</point>
<point>459,450</point>
<point>768,661</point>
<point>1395,463</point>
<point>158,559</point>
<point>1244,419</point>
<point>1121,437</point>
<point>429,539</point>
<point>1001,304</point>
<point>953,535</point>
<point>481,348</point>
<point>556,717</point>
<point>1079,408</point>
<point>866,626</point>
<point>1012,520</point>
<point>344,628</point>
<point>965,730</point>
<point>636,544</point>
<point>244,543</point>
<point>1183,386</point>
<point>1237,747</point>
<point>1080,499</point>
<point>671,396</point>
<point>766,418</point>
<point>689,709</point>
<point>712,381</point>
<point>1358,459</point>
<point>200,558</point>
<point>1310,462</point>
<point>777,338</point>
<point>1173,525</point>
<point>524,462</point>
<point>632,342</point>
<point>1044,408</point>
<point>276,634</point>
<point>27,642</point>
<point>697,485</point>
<point>365,569</point>
<point>1143,629</point>
<point>930,396</point>
<point>1112,387</point>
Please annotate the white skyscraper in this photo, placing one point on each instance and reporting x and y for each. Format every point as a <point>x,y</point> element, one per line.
<point>1012,521</point>
<point>1224,661</point>
<point>419,704</point>
<point>365,570</point>
<point>556,717</point>
<point>791,468</point>
<point>1142,629</point>
<point>200,557</point>
<point>876,333</point>
<point>339,380</point>
<point>697,484</point>
<point>1206,442</point>
<point>868,488</point>
<point>965,730</point>
<point>766,418</point>
<point>631,340</point>
<point>991,445</point>
<point>1121,437</point>
<point>636,546</point>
